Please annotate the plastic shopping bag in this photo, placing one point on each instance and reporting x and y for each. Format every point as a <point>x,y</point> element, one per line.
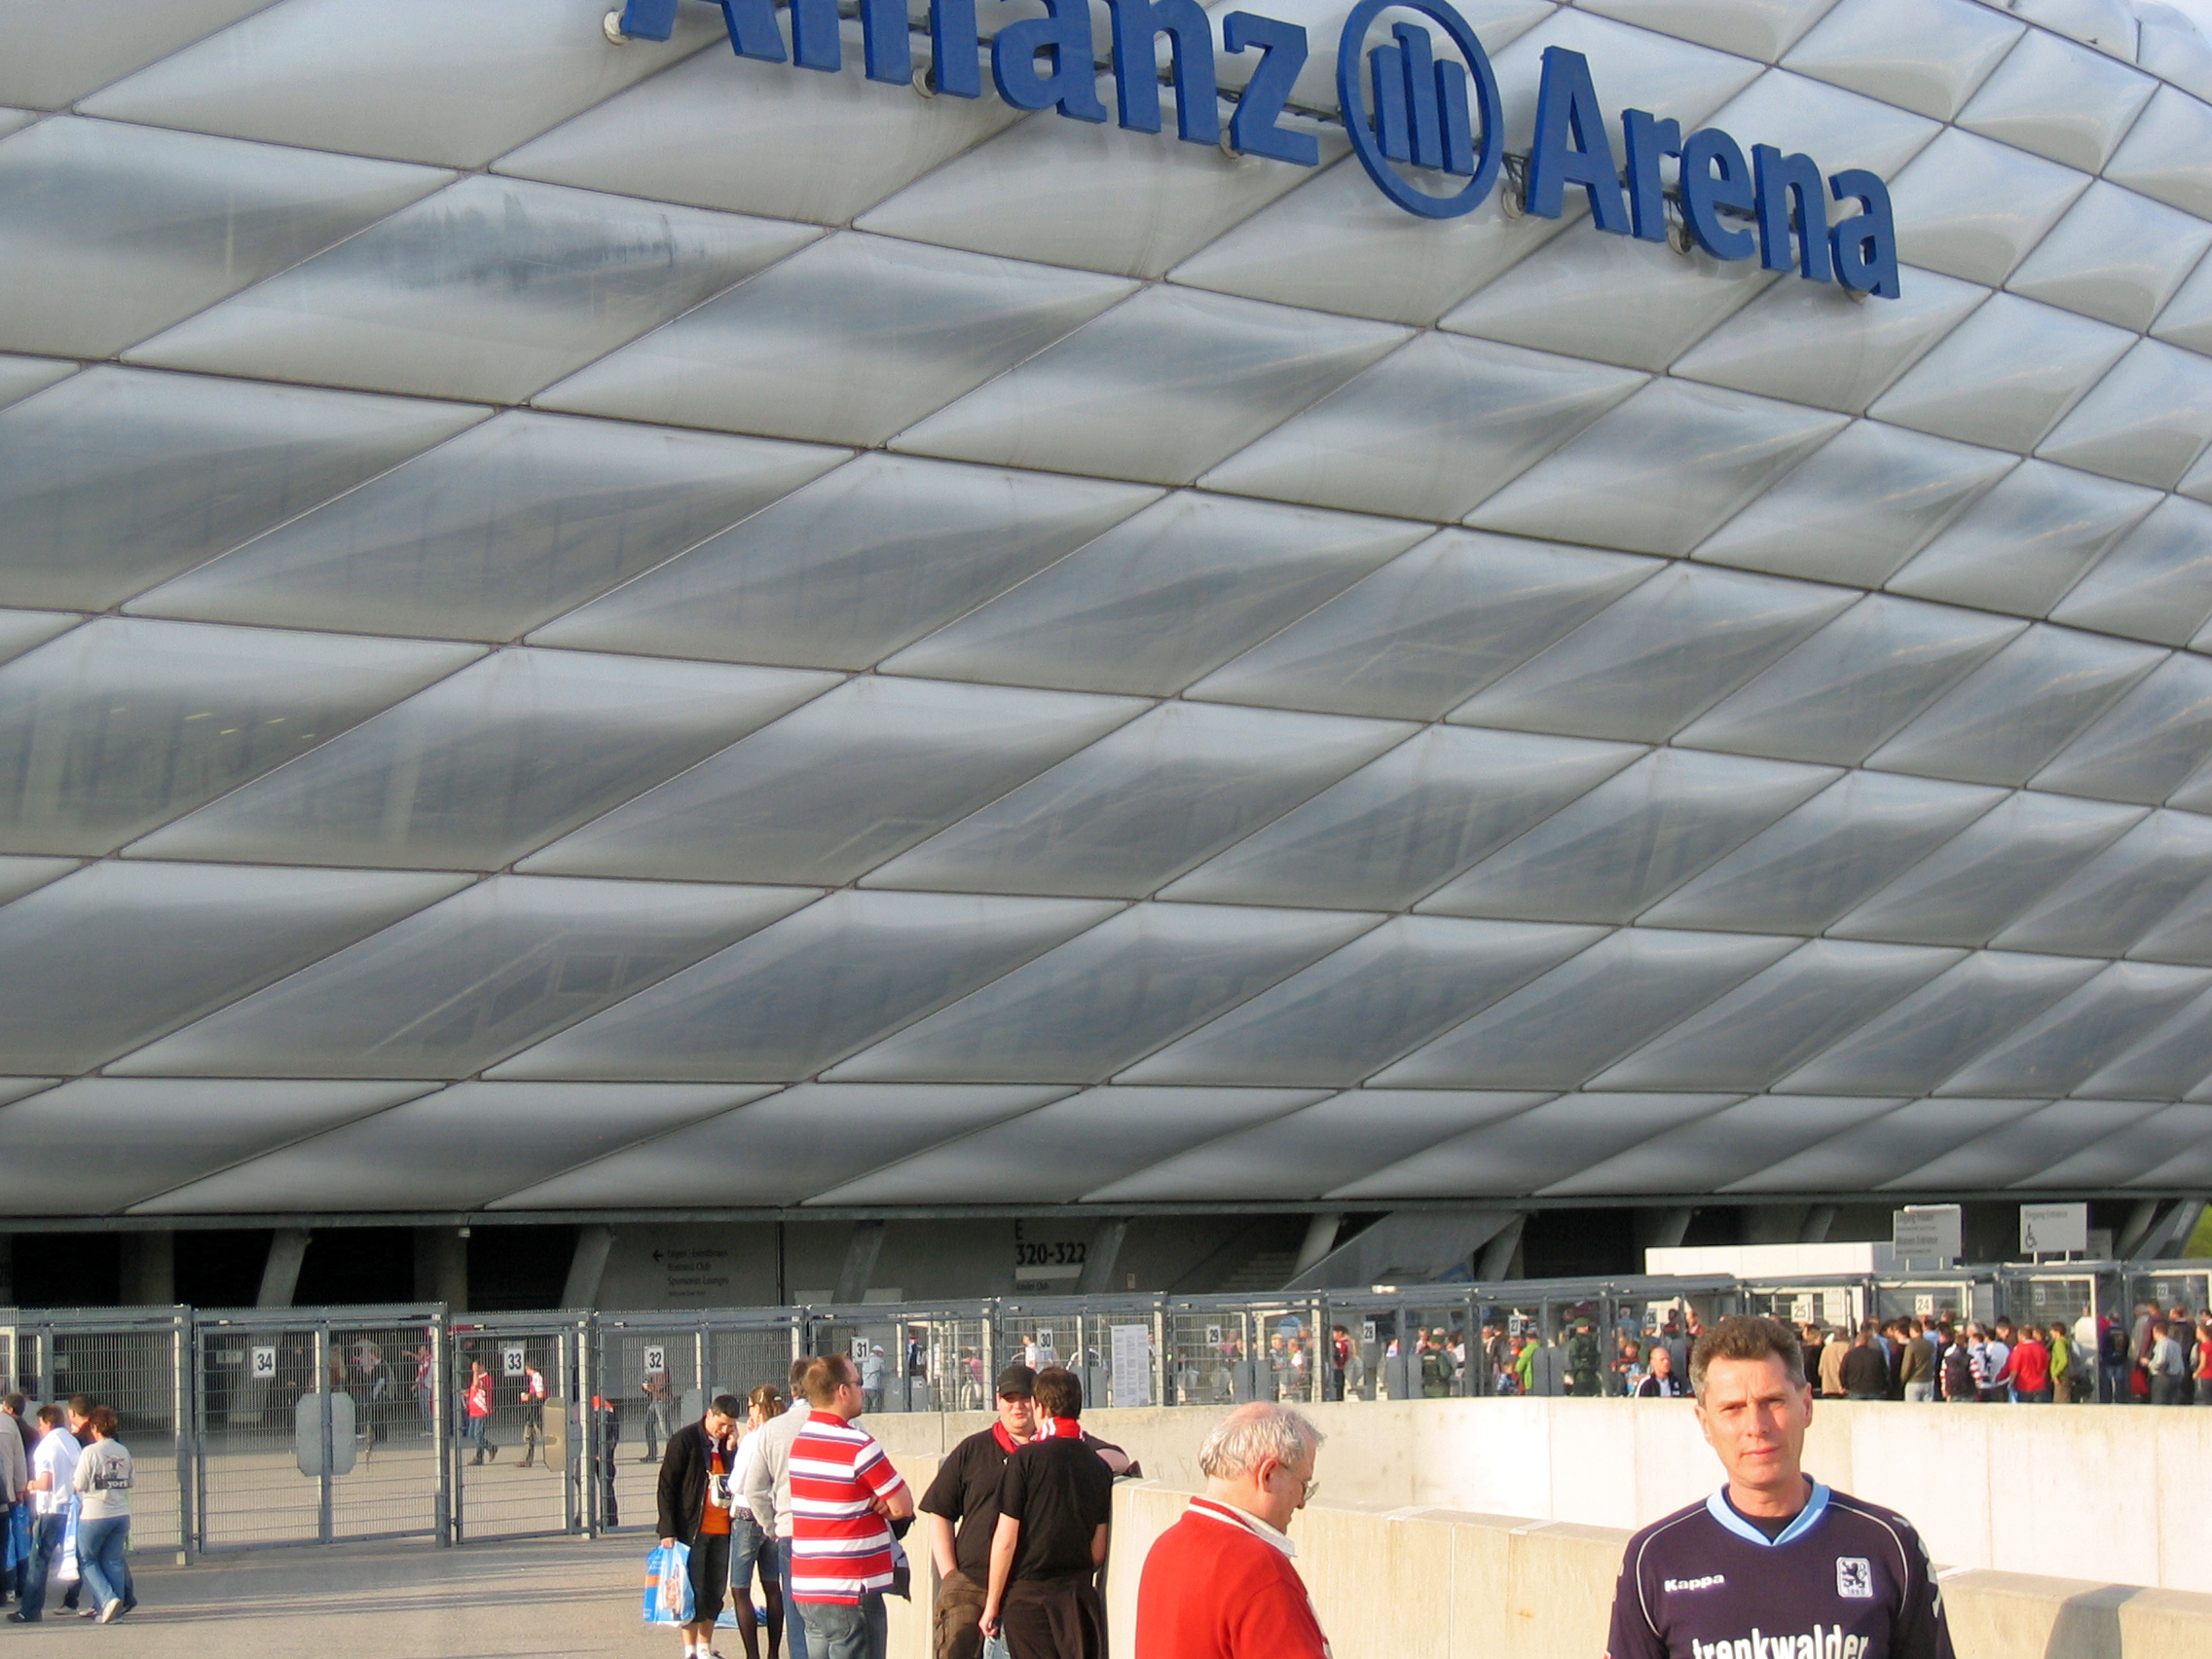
<point>67,1573</point>
<point>667,1585</point>
<point>994,1647</point>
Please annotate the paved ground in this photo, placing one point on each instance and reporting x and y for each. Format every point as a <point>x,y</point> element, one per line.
<point>388,1600</point>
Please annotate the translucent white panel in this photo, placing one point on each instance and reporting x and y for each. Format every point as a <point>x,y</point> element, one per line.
<point>1732,1143</point>
<point>2059,100</point>
<point>17,1088</point>
<point>1769,1024</point>
<point>14,121</point>
<point>1922,55</point>
<point>21,630</point>
<point>793,998</point>
<point>508,525</point>
<point>1840,693</point>
<point>1997,866</point>
<point>1972,208</point>
<point>1927,1036</point>
<point>102,961</point>
<point>1338,245</point>
<point>1060,1152</point>
<point>833,789</point>
<point>491,763</point>
<point>1162,598</point>
<point>2174,48</point>
<point>116,230</point>
<point>2156,583</point>
<point>19,876</point>
<point>1617,299</point>
<point>1354,1011</point>
<point>2022,545</point>
<point>1634,67</point>
<point>1403,825</point>
<point>453,989</point>
<point>1144,804</point>
<point>1303,1155</point>
<point>20,377</point>
<point>816,147</point>
<point>2190,1166</point>
<point>1659,657</point>
<point>57,54</point>
<point>847,341</point>
<point>2130,887</point>
<point>121,477</point>
<point>2152,739</point>
<point>2184,936</point>
<point>1495,23</point>
<point>2006,375</point>
<point>490,289</point>
<point>2105,1018</point>
<point>1144,204</point>
<point>120,725</point>
<point>1858,507</point>
<point>2168,153</point>
<point>1159,388</point>
<point>1812,344</point>
<point>1762,29</point>
<point>2015,1150</point>
<point>2187,319</point>
<point>1431,627</point>
<point>1832,853</point>
<point>2147,420</point>
<point>1661,472</point>
<point>1884,1147</point>
<point>1428,432</point>
<point>458,1148</point>
<point>421,79</point>
<point>153,1135</point>
<point>2115,255</point>
<point>2109,25</point>
<point>2132,1153</point>
<point>2167,1062</point>
<point>2020,709</point>
<point>1536,1149</point>
<point>1102,1000</point>
<point>774,1151</point>
<point>1838,128</point>
<point>1632,841</point>
<point>850,568</point>
<point>1588,1012</point>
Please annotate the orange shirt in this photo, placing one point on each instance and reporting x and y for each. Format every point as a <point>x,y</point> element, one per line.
<point>715,1523</point>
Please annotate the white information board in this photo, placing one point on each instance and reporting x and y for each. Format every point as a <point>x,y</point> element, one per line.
<point>1131,1377</point>
<point>1928,1233</point>
<point>2053,1230</point>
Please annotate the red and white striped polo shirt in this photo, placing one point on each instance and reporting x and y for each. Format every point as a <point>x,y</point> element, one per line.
<point>840,1547</point>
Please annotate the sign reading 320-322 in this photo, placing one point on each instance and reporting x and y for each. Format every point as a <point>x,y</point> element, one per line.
<point>1420,120</point>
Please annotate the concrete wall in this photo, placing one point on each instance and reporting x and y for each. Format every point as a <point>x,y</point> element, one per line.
<point>2113,1494</point>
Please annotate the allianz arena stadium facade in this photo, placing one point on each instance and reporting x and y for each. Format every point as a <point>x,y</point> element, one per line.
<point>866,614</point>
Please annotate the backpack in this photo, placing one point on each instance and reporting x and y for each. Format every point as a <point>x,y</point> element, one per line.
<point>1957,1374</point>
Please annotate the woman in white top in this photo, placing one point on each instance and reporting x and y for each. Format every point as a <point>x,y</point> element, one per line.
<point>750,1554</point>
<point>103,1480</point>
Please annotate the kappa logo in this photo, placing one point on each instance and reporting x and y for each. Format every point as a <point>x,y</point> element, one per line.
<point>1855,1579</point>
<point>1676,1586</point>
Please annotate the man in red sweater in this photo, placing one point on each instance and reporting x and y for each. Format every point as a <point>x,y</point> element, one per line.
<point>1219,1583</point>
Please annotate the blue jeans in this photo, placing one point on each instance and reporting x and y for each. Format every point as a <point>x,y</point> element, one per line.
<point>103,1557</point>
<point>47,1533</point>
<point>834,1631</point>
<point>794,1626</point>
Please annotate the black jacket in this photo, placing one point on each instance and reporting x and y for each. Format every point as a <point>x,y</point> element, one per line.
<point>684,1482</point>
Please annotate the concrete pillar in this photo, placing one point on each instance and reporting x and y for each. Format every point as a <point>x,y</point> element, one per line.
<point>149,1269</point>
<point>859,1262</point>
<point>1500,1253</point>
<point>587,1266</point>
<point>281,1273</point>
<point>1661,1229</point>
<point>2140,1221</point>
<point>1818,1221</point>
<point>1320,1239</point>
<point>441,1267</point>
<point>1098,1261</point>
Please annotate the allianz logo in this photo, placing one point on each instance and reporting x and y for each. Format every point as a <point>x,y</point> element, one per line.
<point>1420,119</point>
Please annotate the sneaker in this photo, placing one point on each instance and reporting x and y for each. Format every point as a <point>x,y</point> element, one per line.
<point>19,1618</point>
<point>109,1613</point>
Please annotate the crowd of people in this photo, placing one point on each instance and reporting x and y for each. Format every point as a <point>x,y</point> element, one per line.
<point>65,1484</point>
<point>2161,1358</point>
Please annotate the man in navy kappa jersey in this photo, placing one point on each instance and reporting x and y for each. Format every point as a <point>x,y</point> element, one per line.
<point>1774,1565</point>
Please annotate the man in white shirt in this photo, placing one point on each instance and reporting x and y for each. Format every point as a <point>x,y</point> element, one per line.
<point>768,1492</point>
<point>53,1471</point>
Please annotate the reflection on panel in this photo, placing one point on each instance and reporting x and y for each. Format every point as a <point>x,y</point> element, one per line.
<point>115,956</point>
<point>1084,1011</point>
<point>858,564</point>
<point>174,1132</point>
<point>2013,1152</point>
<point>2173,1059</point>
<point>56,57</point>
<point>2147,420</point>
<point>774,1151</point>
<point>19,876</point>
<point>455,1150</point>
<point>2004,376</point>
<point>1794,112</point>
<point>2060,100</point>
<point>1059,1152</point>
<point>796,996</point>
<point>2124,891</point>
<point>1356,1010</point>
<point>120,725</point>
<point>1162,598</point>
<point>1145,803</point>
<point>2152,740</point>
<point>1732,1143</point>
<point>1972,208</point>
<point>23,630</point>
<point>2027,541</point>
<point>2165,153</point>
<point>491,763</point>
<point>1924,55</point>
<point>1884,1147</point>
<point>504,527</point>
<point>2132,1153</point>
<point>2156,583</point>
<point>835,787</point>
<point>2115,255</point>
<point>453,989</point>
<point>2106,1018</point>
<point>1529,1152</point>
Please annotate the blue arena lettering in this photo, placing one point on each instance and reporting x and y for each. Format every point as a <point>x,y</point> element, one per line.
<point>1405,103</point>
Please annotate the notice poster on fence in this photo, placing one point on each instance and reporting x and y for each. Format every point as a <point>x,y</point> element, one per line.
<point>1131,1377</point>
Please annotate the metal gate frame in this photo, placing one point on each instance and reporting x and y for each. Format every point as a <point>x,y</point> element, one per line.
<point>572,1336</point>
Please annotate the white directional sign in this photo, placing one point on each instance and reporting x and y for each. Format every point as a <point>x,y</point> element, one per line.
<point>1927,1233</point>
<point>2053,1230</point>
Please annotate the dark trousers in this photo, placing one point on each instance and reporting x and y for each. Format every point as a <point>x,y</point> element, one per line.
<point>1053,1618</point>
<point>959,1606</point>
